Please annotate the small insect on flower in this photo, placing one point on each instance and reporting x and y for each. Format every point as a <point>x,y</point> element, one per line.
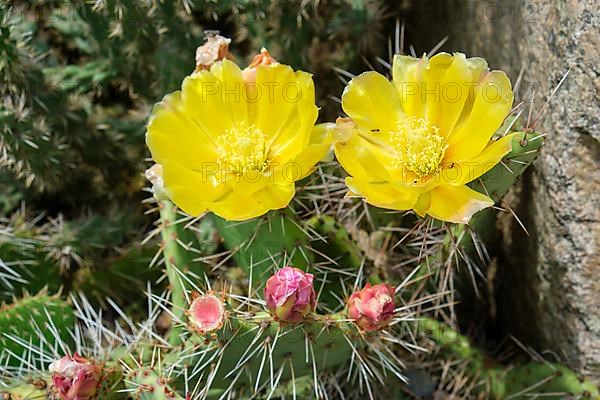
<point>206,313</point>
<point>75,378</point>
<point>372,307</point>
<point>414,143</point>
<point>235,141</point>
<point>290,294</point>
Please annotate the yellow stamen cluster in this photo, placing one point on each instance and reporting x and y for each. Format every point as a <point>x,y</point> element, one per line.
<point>242,149</point>
<point>419,145</point>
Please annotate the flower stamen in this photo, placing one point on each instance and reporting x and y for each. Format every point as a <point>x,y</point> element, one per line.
<point>243,149</point>
<point>419,145</point>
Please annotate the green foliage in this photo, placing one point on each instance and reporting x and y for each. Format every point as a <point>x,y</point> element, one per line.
<point>497,181</point>
<point>333,246</point>
<point>123,278</point>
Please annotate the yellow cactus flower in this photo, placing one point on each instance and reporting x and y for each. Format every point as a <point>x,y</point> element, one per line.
<point>234,142</point>
<point>415,142</point>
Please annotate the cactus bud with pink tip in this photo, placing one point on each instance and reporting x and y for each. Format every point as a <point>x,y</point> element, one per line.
<point>290,294</point>
<point>372,307</point>
<point>75,378</point>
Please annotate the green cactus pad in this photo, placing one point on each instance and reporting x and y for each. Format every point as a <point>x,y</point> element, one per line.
<point>547,380</point>
<point>147,384</point>
<point>250,351</point>
<point>261,243</point>
<point>498,180</point>
<point>550,381</point>
<point>38,321</point>
<point>338,251</point>
<point>339,245</point>
<point>38,389</point>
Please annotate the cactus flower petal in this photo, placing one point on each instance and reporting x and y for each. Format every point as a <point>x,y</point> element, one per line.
<point>75,378</point>
<point>456,203</point>
<point>290,294</point>
<point>372,307</point>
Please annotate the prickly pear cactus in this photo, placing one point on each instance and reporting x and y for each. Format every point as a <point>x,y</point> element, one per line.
<point>289,259</point>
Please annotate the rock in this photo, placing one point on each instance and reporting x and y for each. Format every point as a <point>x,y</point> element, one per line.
<point>549,294</point>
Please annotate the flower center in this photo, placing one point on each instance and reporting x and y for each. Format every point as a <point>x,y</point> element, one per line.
<point>419,145</point>
<point>243,148</point>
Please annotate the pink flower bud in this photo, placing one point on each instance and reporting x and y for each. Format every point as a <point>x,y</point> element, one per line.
<point>290,294</point>
<point>206,313</point>
<point>372,307</point>
<point>75,378</point>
